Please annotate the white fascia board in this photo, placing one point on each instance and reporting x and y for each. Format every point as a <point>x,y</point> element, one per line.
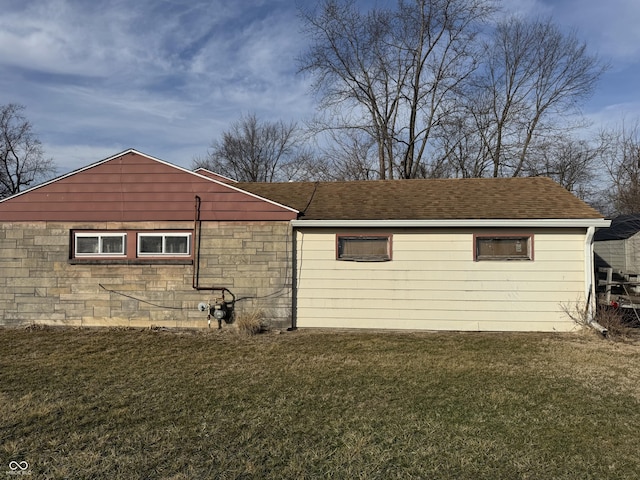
<point>197,171</point>
<point>477,223</point>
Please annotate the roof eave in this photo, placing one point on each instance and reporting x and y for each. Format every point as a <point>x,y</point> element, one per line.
<point>476,223</point>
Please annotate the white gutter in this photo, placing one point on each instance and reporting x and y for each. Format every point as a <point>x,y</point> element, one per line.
<point>484,223</point>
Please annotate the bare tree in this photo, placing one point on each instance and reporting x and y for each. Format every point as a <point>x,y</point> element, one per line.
<point>259,151</point>
<point>22,159</point>
<point>462,150</point>
<point>350,155</point>
<point>534,75</point>
<point>571,162</point>
<point>621,159</point>
<point>396,70</point>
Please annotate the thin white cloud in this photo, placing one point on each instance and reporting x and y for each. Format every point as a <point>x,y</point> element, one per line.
<point>611,26</point>
<point>610,31</point>
<point>165,74</point>
<point>168,76</point>
<point>66,38</point>
<point>525,8</point>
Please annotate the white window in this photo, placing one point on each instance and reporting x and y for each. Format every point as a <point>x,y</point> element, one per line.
<point>172,244</point>
<point>92,244</point>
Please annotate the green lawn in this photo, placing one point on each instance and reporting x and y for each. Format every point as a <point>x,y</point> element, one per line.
<point>315,404</point>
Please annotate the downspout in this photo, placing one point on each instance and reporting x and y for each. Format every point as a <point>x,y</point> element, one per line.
<point>197,232</point>
<point>294,279</point>
<point>294,262</point>
<point>196,243</point>
<point>590,290</point>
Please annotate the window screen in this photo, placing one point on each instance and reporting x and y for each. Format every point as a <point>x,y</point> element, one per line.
<point>364,248</point>
<point>503,248</point>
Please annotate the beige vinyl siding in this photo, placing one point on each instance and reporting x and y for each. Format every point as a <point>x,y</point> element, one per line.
<point>433,283</point>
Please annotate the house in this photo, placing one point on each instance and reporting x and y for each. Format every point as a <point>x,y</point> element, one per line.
<point>617,261</point>
<point>618,246</point>
<point>504,254</point>
<point>132,240</point>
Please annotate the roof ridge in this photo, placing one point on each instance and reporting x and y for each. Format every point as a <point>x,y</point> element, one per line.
<point>399,180</point>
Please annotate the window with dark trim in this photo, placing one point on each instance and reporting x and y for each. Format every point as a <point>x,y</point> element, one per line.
<point>130,246</point>
<point>363,248</point>
<point>503,247</point>
<point>163,244</point>
<point>100,244</point>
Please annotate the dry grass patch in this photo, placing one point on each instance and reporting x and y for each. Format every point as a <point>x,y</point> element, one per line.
<point>250,323</point>
<point>621,324</point>
<point>146,404</point>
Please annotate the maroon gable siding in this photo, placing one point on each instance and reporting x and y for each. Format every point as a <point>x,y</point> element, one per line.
<point>134,187</point>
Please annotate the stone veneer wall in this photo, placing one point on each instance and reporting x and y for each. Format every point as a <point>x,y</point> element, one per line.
<point>39,284</point>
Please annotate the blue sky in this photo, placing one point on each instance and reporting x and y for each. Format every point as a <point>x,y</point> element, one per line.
<point>168,76</point>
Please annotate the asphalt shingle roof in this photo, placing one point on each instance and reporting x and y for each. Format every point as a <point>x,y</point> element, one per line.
<point>437,199</point>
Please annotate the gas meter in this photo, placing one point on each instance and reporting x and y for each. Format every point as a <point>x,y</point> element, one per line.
<point>219,308</point>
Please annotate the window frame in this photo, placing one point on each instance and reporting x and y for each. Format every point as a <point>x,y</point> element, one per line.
<point>364,236</point>
<point>100,234</point>
<point>130,242</point>
<point>163,235</point>
<point>529,240</point>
